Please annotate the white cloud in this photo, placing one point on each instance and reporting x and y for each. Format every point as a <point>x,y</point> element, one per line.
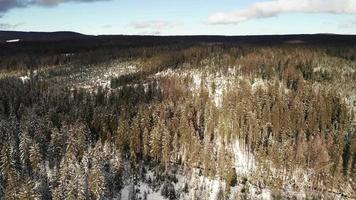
<point>156,25</point>
<point>276,7</point>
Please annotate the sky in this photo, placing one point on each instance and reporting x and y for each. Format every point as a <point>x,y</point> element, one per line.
<point>180,17</point>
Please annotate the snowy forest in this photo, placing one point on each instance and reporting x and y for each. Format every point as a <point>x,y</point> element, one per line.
<point>177,120</point>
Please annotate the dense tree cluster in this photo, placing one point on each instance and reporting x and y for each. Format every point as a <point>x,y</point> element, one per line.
<point>70,143</point>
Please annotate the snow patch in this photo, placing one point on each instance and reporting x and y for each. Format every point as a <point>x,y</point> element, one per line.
<point>196,81</point>
<point>205,188</point>
<point>259,84</point>
<point>24,78</point>
<point>266,194</point>
<point>168,72</point>
<point>244,161</point>
<point>216,187</point>
<point>125,192</point>
<point>13,41</point>
<point>139,191</point>
<point>68,54</point>
<point>90,79</point>
<point>220,84</point>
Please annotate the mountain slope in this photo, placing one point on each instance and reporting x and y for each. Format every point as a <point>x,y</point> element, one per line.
<point>40,36</point>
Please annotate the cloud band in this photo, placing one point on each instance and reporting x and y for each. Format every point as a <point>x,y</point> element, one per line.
<point>276,7</point>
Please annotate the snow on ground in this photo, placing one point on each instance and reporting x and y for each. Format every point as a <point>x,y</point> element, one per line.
<point>266,194</point>
<point>215,83</point>
<point>217,87</point>
<point>244,161</point>
<point>24,78</point>
<point>204,187</point>
<point>317,69</point>
<point>168,72</point>
<point>198,186</point>
<point>350,101</point>
<point>140,191</point>
<point>216,187</point>
<point>112,72</point>
<point>141,188</point>
<point>27,77</point>
<point>68,54</point>
<point>125,192</point>
<point>92,78</point>
<point>259,84</point>
<point>196,81</point>
<point>13,41</point>
<point>146,190</point>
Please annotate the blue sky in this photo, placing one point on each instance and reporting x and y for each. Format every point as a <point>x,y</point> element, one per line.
<point>180,17</point>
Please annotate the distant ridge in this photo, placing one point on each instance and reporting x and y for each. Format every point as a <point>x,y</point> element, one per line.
<point>320,38</point>
<point>40,36</point>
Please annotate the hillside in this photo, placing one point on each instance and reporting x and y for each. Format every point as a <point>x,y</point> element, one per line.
<point>178,117</point>
<point>40,36</point>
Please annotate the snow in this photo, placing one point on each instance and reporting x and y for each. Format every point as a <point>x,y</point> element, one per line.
<point>141,189</point>
<point>266,194</point>
<point>68,54</point>
<point>168,72</point>
<point>220,86</point>
<point>125,192</point>
<point>215,189</point>
<point>196,81</point>
<point>149,175</point>
<point>90,78</point>
<point>259,84</point>
<point>220,82</point>
<point>13,41</point>
<point>24,78</point>
<point>198,186</point>
<point>204,187</point>
<point>244,161</point>
<point>155,196</point>
<point>146,87</point>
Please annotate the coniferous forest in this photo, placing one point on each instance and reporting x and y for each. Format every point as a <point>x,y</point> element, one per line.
<point>179,118</point>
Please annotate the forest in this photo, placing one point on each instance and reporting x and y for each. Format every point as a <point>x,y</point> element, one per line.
<point>180,118</point>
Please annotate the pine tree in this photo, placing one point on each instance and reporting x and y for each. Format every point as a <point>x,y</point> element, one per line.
<point>156,140</point>
<point>78,139</point>
<point>100,156</point>
<point>135,139</point>
<point>57,146</point>
<point>175,146</point>
<point>35,156</point>
<point>67,181</point>
<point>123,138</point>
<point>24,148</point>
<point>97,183</point>
<point>27,190</point>
<point>166,146</point>
<point>146,136</point>
<point>9,173</point>
<point>83,174</point>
